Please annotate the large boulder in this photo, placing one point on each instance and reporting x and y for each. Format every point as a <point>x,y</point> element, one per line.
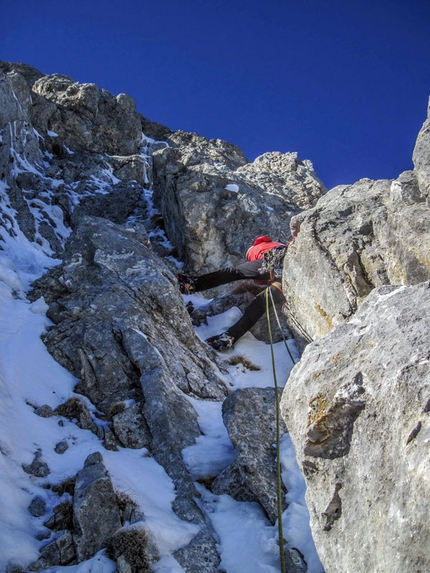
<point>357,408</point>
<point>86,118</point>
<point>214,202</point>
<point>252,475</point>
<point>356,238</point>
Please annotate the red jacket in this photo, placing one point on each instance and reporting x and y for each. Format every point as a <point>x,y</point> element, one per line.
<point>260,246</point>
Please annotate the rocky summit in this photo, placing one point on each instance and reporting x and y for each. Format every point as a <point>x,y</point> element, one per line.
<point>109,207</point>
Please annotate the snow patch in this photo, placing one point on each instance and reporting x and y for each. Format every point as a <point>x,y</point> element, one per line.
<point>232,187</point>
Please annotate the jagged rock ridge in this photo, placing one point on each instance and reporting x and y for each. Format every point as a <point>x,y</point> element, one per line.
<point>77,172</point>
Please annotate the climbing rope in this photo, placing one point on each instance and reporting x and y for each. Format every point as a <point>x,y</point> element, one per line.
<point>280,327</point>
<point>297,324</point>
<point>278,442</point>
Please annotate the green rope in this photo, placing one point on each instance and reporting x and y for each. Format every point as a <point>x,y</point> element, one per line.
<point>297,324</point>
<point>280,327</point>
<point>278,444</point>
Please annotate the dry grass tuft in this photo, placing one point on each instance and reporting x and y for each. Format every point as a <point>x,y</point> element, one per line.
<point>239,359</point>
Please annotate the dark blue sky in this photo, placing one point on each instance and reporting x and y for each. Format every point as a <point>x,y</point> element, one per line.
<point>345,83</point>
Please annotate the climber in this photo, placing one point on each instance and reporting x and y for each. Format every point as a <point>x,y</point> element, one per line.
<point>251,269</point>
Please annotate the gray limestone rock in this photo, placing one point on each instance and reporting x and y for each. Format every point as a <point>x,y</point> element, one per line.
<point>131,429</point>
<point>294,561</point>
<point>75,409</point>
<point>15,97</point>
<point>61,143</point>
<point>131,317</point>
<point>44,411</point>
<point>117,205</point>
<point>88,118</point>
<point>66,548</point>
<point>95,511</point>
<point>199,556</point>
<point>215,203</point>
<point>37,506</point>
<point>252,475</point>
<point>61,447</point>
<point>421,157</point>
<point>38,467</point>
<point>356,238</point>
<point>60,551</point>
<point>123,329</point>
<point>19,147</point>
<point>357,408</point>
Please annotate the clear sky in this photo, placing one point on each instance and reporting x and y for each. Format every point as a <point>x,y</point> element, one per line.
<point>345,83</point>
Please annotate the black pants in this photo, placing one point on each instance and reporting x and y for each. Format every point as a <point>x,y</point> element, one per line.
<point>256,309</point>
<point>253,312</point>
<point>248,270</point>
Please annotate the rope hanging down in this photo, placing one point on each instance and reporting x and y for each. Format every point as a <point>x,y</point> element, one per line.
<point>279,325</point>
<point>278,442</point>
<point>297,324</point>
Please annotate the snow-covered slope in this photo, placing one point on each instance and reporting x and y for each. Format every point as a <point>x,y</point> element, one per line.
<point>29,377</point>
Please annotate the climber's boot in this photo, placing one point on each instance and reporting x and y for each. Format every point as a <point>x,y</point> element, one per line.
<point>221,341</point>
<point>186,284</point>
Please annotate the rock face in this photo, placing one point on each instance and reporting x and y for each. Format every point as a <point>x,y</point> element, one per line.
<point>128,336</point>
<point>357,408</point>
<point>215,203</point>
<point>252,475</point>
<point>87,118</point>
<point>77,178</point>
<point>356,238</point>
<point>421,157</point>
<point>44,158</point>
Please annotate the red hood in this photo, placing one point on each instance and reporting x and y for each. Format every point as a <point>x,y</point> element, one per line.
<point>260,246</point>
<point>262,239</point>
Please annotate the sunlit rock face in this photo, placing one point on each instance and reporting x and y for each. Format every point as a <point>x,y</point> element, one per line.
<point>215,203</point>
<point>357,407</point>
<point>356,238</point>
<point>421,157</point>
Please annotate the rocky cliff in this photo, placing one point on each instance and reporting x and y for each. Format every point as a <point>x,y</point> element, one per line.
<point>357,282</point>
<point>120,204</point>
